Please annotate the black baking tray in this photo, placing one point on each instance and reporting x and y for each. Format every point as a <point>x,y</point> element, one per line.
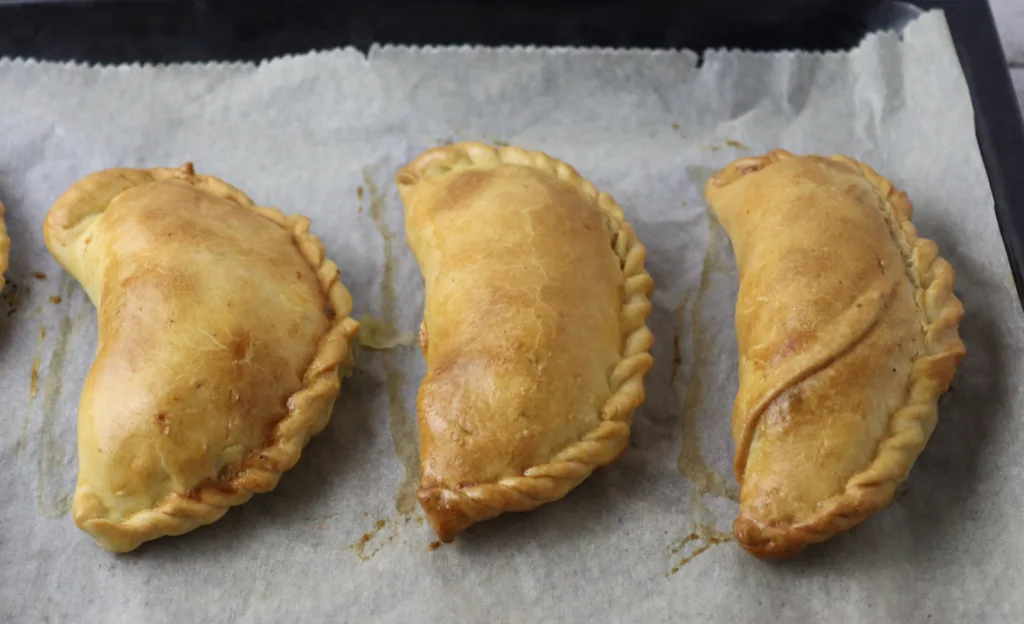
<point>119,31</point>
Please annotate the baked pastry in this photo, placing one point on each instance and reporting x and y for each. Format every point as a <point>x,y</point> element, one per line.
<point>848,335</point>
<point>222,331</point>
<point>534,329</point>
<point>5,246</point>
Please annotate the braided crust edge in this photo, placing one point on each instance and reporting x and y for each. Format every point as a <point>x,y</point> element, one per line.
<point>309,408</point>
<point>931,374</point>
<point>450,511</point>
<point>5,246</point>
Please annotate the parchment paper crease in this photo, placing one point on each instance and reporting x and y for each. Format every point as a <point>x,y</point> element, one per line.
<point>647,540</point>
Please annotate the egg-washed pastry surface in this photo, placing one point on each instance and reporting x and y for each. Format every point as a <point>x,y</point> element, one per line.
<point>534,329</point>
<point>223,330</point>
<point>847,328</point>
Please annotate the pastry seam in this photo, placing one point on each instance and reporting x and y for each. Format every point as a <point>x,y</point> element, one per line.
<point>308,409</point>
<point>910,425</point>
<point>602,445</point>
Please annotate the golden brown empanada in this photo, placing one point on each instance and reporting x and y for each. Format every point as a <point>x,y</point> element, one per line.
<point>5,246</point>
<point>848,334</point>
<point>534,329</point>
<point>222,331</point>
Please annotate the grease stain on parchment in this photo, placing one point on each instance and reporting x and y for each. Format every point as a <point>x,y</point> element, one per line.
<point>704,534</point>
<point>33,390</point>
<point>368,545</point>
<point>715,144</point>
<point>52,499</point>
<point>694,545</point>
<point>11,296</point>
<point>677,354</point>
<point>33,384</point>
<point>724,144</point>
<point>691,463</point>
<point>383,532</point>
<point>402,427</point>
<point>318,520</point>
<point>19,446</point>
<point>705,479</point>
<point>379,335</point>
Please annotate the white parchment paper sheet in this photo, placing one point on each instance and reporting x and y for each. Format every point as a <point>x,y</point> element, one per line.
<point>337,541</point>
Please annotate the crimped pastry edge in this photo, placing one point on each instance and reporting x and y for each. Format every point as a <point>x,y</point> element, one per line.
<point>450,511</point>
<point>309,408</point>
<point>932,372</point>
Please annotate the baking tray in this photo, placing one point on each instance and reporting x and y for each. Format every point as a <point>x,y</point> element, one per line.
<point>125,31</point>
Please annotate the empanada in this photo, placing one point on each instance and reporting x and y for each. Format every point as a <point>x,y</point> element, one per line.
<point>534,329</point>
<point>5,246</point>
<point>222,333</point>
<point>848,335</point>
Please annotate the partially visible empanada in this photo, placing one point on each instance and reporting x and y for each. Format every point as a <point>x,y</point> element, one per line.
<point>222,333</point>
<point>5,246</point>
<point>534,329</point>
<point>848,335</point>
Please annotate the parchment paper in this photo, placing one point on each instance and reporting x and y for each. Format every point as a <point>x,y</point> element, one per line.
<point>646,540</point>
